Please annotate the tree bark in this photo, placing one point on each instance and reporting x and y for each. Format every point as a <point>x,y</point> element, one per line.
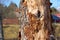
<point>36,20</point>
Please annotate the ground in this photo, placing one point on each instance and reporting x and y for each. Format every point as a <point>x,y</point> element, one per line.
<point>10,31</point>
<point>57,30</point>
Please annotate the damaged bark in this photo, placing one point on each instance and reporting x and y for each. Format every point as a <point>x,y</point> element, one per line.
<point>36,20</point>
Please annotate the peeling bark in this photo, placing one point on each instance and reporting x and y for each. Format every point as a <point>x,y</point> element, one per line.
<point>36,20</point>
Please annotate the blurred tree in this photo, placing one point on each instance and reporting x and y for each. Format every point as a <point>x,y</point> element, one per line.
<point>12,6</point>
<point>8,12</point>
<point>54,10</point>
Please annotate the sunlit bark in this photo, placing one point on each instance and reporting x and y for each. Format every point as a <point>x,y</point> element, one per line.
<point>36,20</point>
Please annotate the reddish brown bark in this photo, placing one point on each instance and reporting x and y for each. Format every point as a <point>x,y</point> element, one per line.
<point>37,27</point>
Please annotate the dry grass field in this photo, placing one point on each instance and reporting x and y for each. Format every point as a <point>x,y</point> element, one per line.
<point>57,30</point>
<point>10,31</point>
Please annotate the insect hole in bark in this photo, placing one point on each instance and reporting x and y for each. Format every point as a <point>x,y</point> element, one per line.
<point>38,14</point>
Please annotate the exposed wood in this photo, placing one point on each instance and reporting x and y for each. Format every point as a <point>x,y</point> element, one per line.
<point>36,20</point>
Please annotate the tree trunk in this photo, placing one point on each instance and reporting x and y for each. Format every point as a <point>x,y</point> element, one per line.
<point>1,26</point>
<point>36,24</point>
